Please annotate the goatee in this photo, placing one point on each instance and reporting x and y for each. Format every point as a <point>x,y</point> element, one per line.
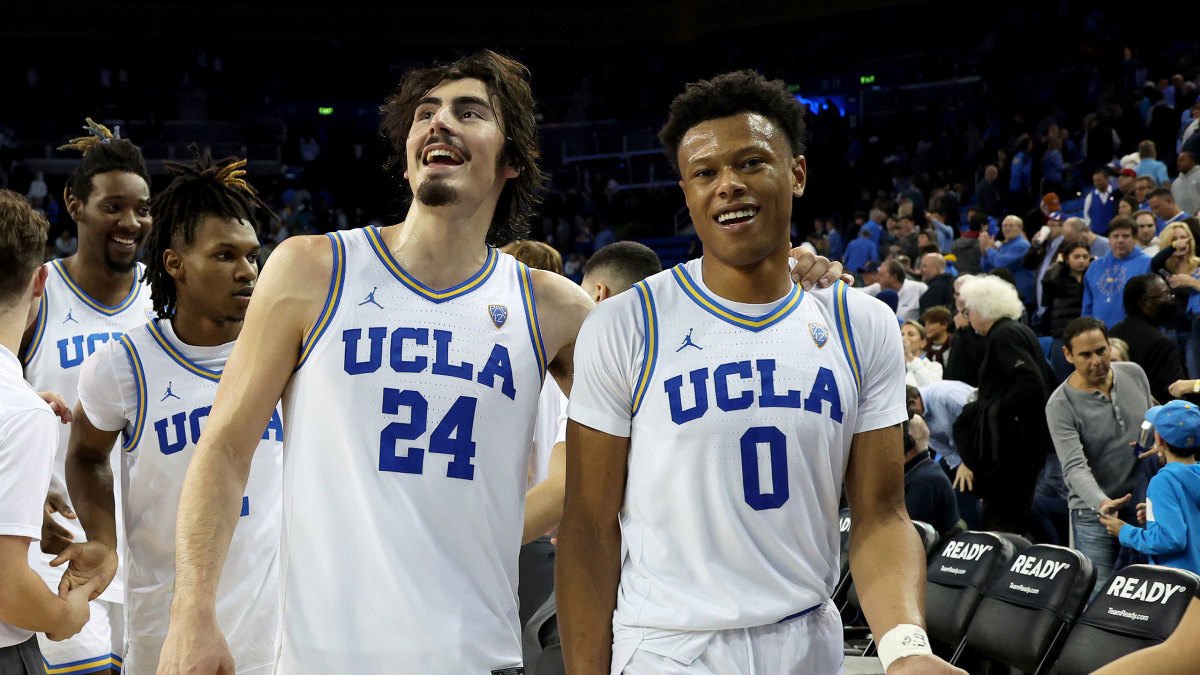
<point>435,192</point>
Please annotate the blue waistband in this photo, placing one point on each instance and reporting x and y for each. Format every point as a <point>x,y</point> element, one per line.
<point>799,614</point>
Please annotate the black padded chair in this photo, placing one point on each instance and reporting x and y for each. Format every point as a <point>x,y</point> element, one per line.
<point>955,582</point>
<point>1027,609</point>
<point>929,538</point>
<point>1139,609</point>
<point>540,643</point>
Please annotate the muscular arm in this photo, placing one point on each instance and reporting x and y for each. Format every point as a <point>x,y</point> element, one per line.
<point>286,303</point>
<point>588,565</point>
<point>561,306</point>
<point>886,557</point>
<point>544,501</point>
<point>90,479</point>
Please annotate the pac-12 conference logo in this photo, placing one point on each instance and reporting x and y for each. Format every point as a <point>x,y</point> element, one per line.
<point>499,314</point>
<point>820,333</point>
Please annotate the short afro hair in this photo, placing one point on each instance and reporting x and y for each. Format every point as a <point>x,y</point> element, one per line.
<point>727,95</point>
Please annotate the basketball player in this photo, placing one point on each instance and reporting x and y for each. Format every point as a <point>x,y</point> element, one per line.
<point>154,386</point>
<point>91,297</point>
<point>408,415</point>
<point>28,439</point>
<point>716,412</point>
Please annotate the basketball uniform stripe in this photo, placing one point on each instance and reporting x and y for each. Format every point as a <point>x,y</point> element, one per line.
<point>476,280</point>
<point>139,375</point>
<point>337,281</point>
<point>712,306</point>
<point>530,303</point>
<point>650,355</point>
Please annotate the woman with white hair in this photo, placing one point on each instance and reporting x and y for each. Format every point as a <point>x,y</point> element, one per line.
<point>1005,428</point>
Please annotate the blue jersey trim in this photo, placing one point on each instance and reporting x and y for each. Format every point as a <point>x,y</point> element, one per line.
<point>134,436</point>
<point>389,261</point>
<point>650,353</point>
<point>179,358</point>
<point>38,331</point>
<point>841,313</point>
<point>752,323</point>
<point>337,283</point>
<point>535,331</point>
<point>89,301</point>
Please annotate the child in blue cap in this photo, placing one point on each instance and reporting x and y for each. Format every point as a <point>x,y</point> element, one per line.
<point>1172,534</point>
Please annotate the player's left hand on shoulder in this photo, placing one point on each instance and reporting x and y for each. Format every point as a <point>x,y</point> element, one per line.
<point>815,270</point>
<point>923,664</point>
<point>58,404</point>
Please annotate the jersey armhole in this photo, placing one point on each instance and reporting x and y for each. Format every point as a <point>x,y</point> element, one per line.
<point>38,331</point>
<point>650,350</point>
<point>535,329</point>
<point>133,436</point>
<point>841,313</point>
<point>337,281</point>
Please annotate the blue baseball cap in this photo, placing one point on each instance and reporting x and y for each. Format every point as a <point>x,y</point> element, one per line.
<point>1178,422</point>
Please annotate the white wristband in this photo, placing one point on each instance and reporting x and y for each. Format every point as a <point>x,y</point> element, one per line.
<point>905,639</point>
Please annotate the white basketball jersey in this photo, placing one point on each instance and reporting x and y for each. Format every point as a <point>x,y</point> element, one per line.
<point>409,420</point>
<point>70,326</point>
<point>740,419</point>
<point>167,390</point>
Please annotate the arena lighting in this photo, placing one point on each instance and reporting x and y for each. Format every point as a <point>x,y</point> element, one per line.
<point>325,110</point>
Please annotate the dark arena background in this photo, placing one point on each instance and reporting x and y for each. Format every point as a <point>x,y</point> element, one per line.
<point>933,121</point>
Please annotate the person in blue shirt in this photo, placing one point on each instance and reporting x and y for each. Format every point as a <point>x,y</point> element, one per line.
<point>1099,206</point>
<point>1104,282</point>
<point>1020,176</point>
<point>945,233</point>
<point>874,226</point>
<point>1010,254</point>
<point>837,246</point>
<point>1172,508</point>
<point>860,251</point>
<point>1150,166</point>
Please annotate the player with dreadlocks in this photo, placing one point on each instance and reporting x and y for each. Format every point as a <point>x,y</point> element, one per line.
<point>90,297</point>
<point>152,388</point>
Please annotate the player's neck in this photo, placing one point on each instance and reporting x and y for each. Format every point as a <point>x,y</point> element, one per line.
<point>442,247</point>
<point>12,327</point>
<point>765,281</point>
<point>100,282</point>
<point>197,330</point>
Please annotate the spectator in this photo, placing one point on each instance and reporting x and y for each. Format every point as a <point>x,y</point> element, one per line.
<point>928,495</point>
<point>1094,418</point>
<point>940,404</point>
<point>908,237</point>
<point>1147,231</point>
<point>1186,188</point>
<point>1099,204</point>
<point>1063,290</point>
<point>1126,206</point>
<point>1149,166</point>
<point>1042,253</point>
<point>834,241</point>
<point>1142,189</point>
<point>967,254</point>
<point>1181,269</point>
<point>1014,385</point>
<point>966,346</point>
<point>605,236</point>
<point>1075,227</point>
<point>1107,277</point>
<point>937,321</point>
<point>1162,203</point>
<point>921,371</point>
<point>988,195</point>
<point>1020,175</point>
<point>66,244</point>
<point>1172,508</point>
<point>1149,305</point>
<point>1010,254</point>
<point>945,233</point>
<point>37,189</point>
<point>893,276</point>
<point>1053,165</point>
<point>1126,185</point>
<point>939,284</point>
<point>860,252</point>
<point>1120,350</point>
<point>874,226</point>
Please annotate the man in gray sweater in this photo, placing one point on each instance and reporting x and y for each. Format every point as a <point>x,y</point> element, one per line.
<point>1094,417</point>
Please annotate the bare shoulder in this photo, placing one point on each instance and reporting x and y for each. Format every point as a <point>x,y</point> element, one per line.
<point>295,281</point>
<point>561,307</point>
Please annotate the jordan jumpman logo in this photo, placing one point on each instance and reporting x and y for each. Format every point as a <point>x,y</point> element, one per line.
<point>371,298</point>
<point>69,317</point>
<point>169,394</point>
<point>687,342</point>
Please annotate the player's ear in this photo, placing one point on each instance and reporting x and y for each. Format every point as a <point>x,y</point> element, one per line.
<point>74,204</point>
<point>799,175</point>
<point>173,263</point>
<point>601,292</point>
